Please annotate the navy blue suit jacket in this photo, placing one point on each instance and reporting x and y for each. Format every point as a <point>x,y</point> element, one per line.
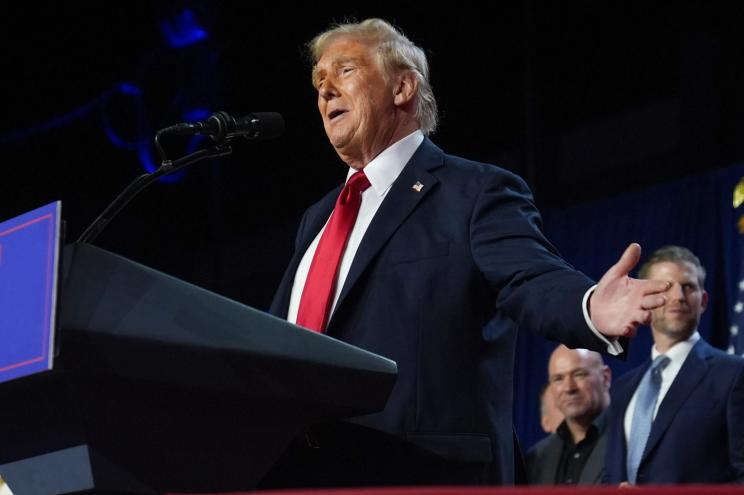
<point>698,433</point>
<point>435,272</point>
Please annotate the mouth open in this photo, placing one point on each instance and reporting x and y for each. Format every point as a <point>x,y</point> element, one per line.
<point>334,114</point>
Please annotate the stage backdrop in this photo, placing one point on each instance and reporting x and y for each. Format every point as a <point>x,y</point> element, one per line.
<point>695,212</point>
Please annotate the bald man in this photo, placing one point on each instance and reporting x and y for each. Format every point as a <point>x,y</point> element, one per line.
<point>580,382</point>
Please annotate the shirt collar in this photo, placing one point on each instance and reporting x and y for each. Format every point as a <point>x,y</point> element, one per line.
<point>679,351</point>
<point>387,166</point>
<point>565,433</point>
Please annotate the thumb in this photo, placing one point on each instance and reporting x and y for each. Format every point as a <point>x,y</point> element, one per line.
<point>627,261</point>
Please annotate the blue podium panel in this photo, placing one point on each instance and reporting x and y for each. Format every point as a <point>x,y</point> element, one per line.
<point>29,252</point>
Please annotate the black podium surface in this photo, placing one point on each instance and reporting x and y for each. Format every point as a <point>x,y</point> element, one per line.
<point>164,386</point>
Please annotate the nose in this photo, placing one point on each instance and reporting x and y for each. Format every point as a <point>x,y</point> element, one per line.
<point>676,292</point>
<point>569,384</point>
<point>328,89</point>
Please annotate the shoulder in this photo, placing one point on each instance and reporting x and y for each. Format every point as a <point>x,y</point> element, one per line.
<point>548,443</point>
<point>724,376</point>
<point>722,361</point>
<point>484,173</point>
<point>467,171</point>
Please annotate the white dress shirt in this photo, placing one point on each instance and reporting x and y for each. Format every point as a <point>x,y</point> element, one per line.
<point>381,172</point>
<point>677,355</point>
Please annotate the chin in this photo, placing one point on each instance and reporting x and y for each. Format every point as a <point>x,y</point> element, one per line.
<point>338,140</point>
<point>342,149</point>
<point>680,333</point>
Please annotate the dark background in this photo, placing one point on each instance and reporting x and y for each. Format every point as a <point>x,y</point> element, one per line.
<point>585,100</point>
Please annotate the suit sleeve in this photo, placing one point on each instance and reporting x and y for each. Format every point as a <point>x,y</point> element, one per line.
<point>533,284</point>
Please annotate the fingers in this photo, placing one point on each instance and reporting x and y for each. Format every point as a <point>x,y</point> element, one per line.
<point>654,286</point>
<point>653,301</point>
<point>630,331</point>
<point>627,261</point>
<point>645,318</point>
<point>638,318</point>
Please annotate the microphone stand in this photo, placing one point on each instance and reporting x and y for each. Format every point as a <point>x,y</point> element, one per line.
<point>141,182</point>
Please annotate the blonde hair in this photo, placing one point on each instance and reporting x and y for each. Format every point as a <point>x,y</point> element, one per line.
<point>395,53</point>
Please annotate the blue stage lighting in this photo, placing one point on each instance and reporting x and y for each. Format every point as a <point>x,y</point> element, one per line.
<point>195,114</point>
<point>183,30</point>
<point>130,90</point>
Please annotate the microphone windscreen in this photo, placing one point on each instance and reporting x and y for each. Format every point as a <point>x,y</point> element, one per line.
<point>269,125</point>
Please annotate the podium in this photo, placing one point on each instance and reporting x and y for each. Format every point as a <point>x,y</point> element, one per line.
<point>162,386</point>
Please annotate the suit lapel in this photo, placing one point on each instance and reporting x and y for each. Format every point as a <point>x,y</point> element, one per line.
<point>315,221</point>
<point>400,201</point>
<point>693,370</point>
<point>623,395</point>
<point>552,459</point>
<point>592,472</point>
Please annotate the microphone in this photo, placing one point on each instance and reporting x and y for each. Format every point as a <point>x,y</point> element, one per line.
<point>221,126</point>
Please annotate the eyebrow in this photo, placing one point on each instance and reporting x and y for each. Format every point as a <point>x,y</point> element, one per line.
<point>336,62</point>
<point>572,370</point>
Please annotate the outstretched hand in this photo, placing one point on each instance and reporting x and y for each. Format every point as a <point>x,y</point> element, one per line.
<point>620,304</point>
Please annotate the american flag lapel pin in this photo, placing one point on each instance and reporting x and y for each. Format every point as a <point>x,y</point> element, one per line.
<point>418,186</point>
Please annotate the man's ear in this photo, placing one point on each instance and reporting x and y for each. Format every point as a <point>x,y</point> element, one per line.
<point>405,88</point>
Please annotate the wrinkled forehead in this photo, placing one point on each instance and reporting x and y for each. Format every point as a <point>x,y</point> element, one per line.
<point>346,40</point>
<point>341,51</point>
<point>344,48</point>
<point>567,361</point>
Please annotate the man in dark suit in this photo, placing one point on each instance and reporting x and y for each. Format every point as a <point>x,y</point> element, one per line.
<point>579,381</point>
<point>695,427</point>
<point>421,257</point>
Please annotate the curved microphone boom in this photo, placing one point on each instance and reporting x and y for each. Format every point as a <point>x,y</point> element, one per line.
<point>221,126</point>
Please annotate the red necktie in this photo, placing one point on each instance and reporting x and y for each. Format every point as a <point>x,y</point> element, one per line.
<point>320,286</point>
